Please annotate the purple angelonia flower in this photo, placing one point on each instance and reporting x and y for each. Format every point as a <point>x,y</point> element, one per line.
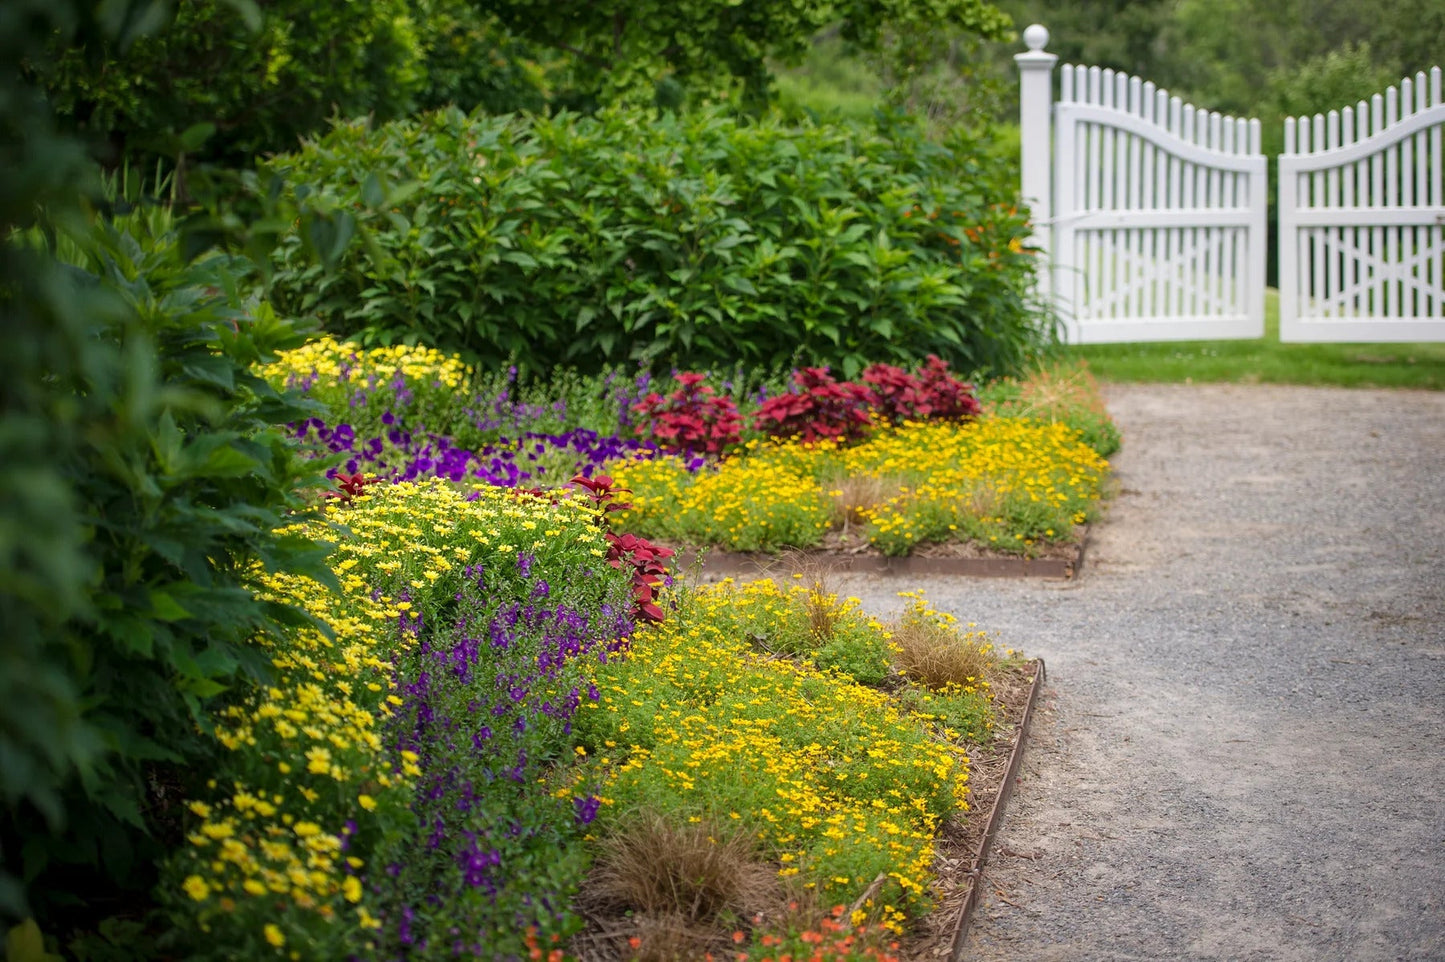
<point>586,809</point>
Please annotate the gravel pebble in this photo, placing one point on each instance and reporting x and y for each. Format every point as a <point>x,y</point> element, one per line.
<point>1241,747</point>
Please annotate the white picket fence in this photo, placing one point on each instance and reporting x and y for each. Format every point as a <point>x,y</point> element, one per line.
<point>1152,214</point>
<point>1362,219</point>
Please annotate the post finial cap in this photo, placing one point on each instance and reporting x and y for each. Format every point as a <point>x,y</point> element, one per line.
<point>1036,36</point>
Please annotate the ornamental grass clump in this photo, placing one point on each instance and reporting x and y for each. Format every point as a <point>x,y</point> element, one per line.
<point>949,665</point>
<point>807,620</point>
<point>670,891</point>
<point>1064,391</point>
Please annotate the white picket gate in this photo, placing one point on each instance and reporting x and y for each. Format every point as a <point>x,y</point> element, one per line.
<point>1153,214</point>
<point>1362,220</point>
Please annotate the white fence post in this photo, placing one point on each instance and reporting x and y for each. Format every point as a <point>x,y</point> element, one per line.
<point>1036,101</point>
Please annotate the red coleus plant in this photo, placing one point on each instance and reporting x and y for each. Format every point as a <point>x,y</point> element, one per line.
<point>932,393</point>
<point>600,492</point>
<point>648,571</point>
<point>628,550</point>
<point>694,419</point>
<point>350,485</point>
<point>947,397</point>
<point>819,408</point>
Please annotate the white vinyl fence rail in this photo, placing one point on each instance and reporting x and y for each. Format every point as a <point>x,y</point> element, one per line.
<point>1153,214</point>
<point>1362,219</point>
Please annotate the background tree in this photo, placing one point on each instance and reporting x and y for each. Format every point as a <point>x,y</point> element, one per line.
<point>258,76</point>
<point>625,48</point>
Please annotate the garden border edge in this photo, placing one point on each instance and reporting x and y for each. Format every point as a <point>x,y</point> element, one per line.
<point>995,816</point>
<point>717,564</point>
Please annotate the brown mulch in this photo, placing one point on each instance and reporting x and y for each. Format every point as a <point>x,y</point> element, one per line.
<point>839,553</point>
<point>851,545</point>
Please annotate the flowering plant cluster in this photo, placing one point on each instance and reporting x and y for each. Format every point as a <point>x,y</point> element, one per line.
<point>382,791</point>
<point>933,393</point>
<point>694,419</point>
<point>835,937</point>
<point>425,771</point>
<point>752,502</point>
<point>638,555</point>
<point>703,722</point>
<point>402,455</point>
<point>819,408</point>
<point>372,389</point>
<point>1010,484</point>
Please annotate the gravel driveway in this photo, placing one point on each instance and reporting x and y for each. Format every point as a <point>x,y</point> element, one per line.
<point>1241,752</point>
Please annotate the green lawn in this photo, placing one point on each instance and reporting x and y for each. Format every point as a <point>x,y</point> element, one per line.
<point>1268,361</point>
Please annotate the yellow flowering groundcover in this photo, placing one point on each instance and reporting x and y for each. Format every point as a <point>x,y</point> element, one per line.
<point>704,722</point>
<point>1010,484</point>
<point>434,757</point>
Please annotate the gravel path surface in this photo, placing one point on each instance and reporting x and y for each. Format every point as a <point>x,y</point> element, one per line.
<point>1241,748</point>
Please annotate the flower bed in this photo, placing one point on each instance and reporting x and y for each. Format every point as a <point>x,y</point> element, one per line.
<point>1005,483</point>
<point>475,715</point>
<point>390,766</point>
<point>890,463</point>
<point>506,730</point>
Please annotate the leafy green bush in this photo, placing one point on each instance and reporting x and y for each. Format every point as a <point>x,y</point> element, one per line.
<point>694,241</point>
<point>169,466</point>
<point>261,83</point>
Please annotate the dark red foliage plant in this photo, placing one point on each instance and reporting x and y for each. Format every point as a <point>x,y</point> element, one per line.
<point>818,408</point>
<point>947,397</point>
<point>350,486</point>
<point>694,419</point>
<point>645,559</point>
<point>931,394</point>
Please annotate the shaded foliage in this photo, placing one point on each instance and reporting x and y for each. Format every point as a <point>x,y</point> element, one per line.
<point>144,473</point>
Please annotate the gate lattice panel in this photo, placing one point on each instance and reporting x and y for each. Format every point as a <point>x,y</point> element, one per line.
<point>1362,219</point>
<point>1153,213</point>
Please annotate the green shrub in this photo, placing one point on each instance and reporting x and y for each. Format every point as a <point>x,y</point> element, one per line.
<point>262,86</point>
<point>158,473</point>
<point>694,241</point>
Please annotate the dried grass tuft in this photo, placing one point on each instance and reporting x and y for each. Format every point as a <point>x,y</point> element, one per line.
<point>691,873</point>
<point>855,496</point>
<point>932,650</point>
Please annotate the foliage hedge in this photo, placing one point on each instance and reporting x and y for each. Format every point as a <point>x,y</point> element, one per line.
<point>691,241</point>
